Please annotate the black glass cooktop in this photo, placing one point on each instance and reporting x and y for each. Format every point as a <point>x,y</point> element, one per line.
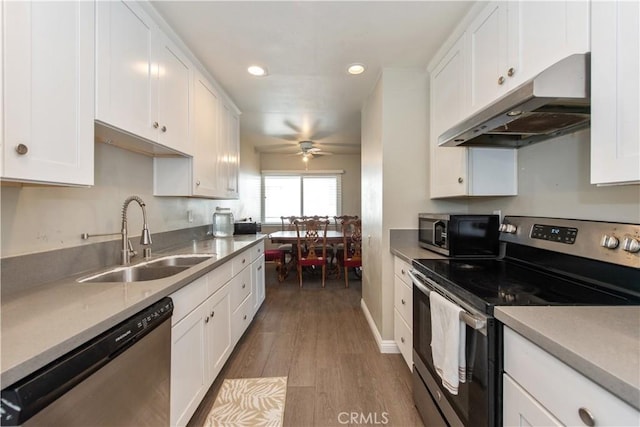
<point>490,282</point>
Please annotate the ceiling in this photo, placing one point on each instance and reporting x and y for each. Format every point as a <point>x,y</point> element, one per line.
<point>306,47</point>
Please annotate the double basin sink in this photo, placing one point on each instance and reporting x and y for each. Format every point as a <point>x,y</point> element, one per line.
<point>158,268</point>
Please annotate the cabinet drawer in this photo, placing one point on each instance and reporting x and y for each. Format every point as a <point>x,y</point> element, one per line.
<point>403,337</point>
<point>240,319</point>
<point>241,261</point>
<point>559,388</point>
<point>240,288</point>
<point>257,250</point>
<point>219,277</point>
<point>401,269</point>
<point>186,299</point>
<point>520,409</point>
<point>403,300</point>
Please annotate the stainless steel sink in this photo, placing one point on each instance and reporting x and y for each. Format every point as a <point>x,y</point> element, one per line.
<point>149,270</point>
<point>180,260</point>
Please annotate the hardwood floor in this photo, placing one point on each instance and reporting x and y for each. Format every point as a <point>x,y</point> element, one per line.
<point>320,339</point>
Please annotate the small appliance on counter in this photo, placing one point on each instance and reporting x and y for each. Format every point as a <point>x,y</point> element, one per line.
<point>460,235</point>
<point>223,222</point>
<point>246,226</point>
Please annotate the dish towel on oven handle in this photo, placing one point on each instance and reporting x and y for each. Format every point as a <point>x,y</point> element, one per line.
<point>447,342</point>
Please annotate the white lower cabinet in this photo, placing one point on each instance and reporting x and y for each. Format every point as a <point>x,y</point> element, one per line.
<point>403,310</point>
<point>539,389</point>
<point>210,315</point>
<point>257,283</point>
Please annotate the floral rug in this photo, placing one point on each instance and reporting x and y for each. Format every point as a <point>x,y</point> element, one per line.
<point>249,402</point>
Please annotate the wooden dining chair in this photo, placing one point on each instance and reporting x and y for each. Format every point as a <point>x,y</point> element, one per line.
<point>351,255</point>
<point>312,245</point>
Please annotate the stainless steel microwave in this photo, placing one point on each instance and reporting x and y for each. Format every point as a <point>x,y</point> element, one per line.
<point>460,235</point>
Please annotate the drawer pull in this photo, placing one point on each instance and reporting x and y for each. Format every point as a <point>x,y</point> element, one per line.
<point>402,340</point>
<point>212,313</point>
<point>206,319</point>
<point>243,260</point>
<point>402,271</point>
<point>586,417</point>
<point>259,268</point>
<point>403,301</point>
<point>245,317</point>
<point>244,285</point>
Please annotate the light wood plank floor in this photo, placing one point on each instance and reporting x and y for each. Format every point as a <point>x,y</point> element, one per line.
<point>320,339</point>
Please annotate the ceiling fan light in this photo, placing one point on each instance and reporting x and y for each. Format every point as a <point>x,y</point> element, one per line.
<point>305,158</point>
<point>256,70</point>
<point>355,69</point>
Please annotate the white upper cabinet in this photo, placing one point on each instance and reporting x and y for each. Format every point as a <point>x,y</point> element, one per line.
<point>615,92</point>
<point>213,170</point>
<point>460,171</point>
<point>143,80</point>
<point>511,42</point>
<point>48,102</point>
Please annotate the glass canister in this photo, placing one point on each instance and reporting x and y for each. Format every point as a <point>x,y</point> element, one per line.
<point>223,222</point>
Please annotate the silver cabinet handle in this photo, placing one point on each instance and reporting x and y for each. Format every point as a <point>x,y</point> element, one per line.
<point>511,71</point>
<point>244,260</point>
<point>586,417</point>
<point>206,319</point>
<point>212,313</point>
<point>403,301</point>
<point>259,268</point>
<point>501,80</point>
<point>243,285</point>
<point>198,182</point>
<point>163,128</point>
<point>245,317</point>
<point>402,339</point>
<point>402,271</point>
<point>22,149</point>
<point>460,180</point>
<point>155,125</point>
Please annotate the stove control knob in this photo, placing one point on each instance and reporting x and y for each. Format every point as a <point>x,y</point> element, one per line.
<point>630,244</point>
<point>508,228</point>
<point>609,242</point>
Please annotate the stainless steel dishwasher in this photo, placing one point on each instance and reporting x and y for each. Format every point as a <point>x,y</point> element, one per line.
<point>120,378</point>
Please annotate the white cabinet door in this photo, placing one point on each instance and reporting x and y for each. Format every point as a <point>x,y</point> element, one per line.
<point>448,165</point>
<point>48,92</point>
<point>530,50</point>
<point>189,365</point>
<point>521,409</point>
<point>173,96</point>
<point>126,75</point>
<point>615,92</point>
<point>143,80</point>
<point>507,47</point>
<point>207,139</point>
<point>258,282</point>
<point>229,152</point>
<point>219,337</point>
<point>487,49</point>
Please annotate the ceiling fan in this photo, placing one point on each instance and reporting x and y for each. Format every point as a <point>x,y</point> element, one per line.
<point>309,151</point>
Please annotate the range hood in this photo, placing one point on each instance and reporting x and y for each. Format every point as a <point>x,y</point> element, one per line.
<point>554,103</point>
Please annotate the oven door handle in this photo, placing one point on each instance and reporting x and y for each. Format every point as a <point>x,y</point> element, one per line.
<point>469,319</point>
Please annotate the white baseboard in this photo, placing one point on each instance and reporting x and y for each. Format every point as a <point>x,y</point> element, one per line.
<point>385,346</point>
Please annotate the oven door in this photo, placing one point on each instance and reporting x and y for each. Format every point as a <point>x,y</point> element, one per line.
<point>475,404</point>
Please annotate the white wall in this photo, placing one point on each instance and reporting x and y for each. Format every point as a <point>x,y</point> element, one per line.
<point>395,158</point>
<point>36,219</point>
<point>553,181</point>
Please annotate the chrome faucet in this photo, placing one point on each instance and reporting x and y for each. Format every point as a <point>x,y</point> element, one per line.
<point>127,251</point>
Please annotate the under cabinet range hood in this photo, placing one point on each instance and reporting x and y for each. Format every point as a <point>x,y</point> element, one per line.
<point>554,103</point>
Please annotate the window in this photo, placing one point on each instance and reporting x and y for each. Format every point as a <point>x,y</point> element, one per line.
<point>286,194</point>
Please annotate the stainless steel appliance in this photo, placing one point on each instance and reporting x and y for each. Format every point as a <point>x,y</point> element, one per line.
<point>120,378</point>
<point>547,261</point>
<point>459,235</point>
<point>553,103</point>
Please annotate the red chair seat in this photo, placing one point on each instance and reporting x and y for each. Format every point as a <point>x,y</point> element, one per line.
<point>272,255</point>
<point>352,262</point>
<point>312,261</point>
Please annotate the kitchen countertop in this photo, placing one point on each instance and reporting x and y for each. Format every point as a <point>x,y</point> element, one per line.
<point>602,343</point>
<point>43,323</point>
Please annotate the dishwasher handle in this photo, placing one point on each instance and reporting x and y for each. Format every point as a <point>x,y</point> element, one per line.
<point>25,398</point>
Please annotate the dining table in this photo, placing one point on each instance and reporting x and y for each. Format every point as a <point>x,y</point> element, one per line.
<point>291,237</point>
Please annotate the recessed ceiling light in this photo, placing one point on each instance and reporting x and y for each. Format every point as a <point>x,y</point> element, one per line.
<point>356,69</point>
<point>256,70</point>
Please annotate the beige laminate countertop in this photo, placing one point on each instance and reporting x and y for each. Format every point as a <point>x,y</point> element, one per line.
<point>43,323</point>
<point>602,343</point>
<point>409,252</point>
